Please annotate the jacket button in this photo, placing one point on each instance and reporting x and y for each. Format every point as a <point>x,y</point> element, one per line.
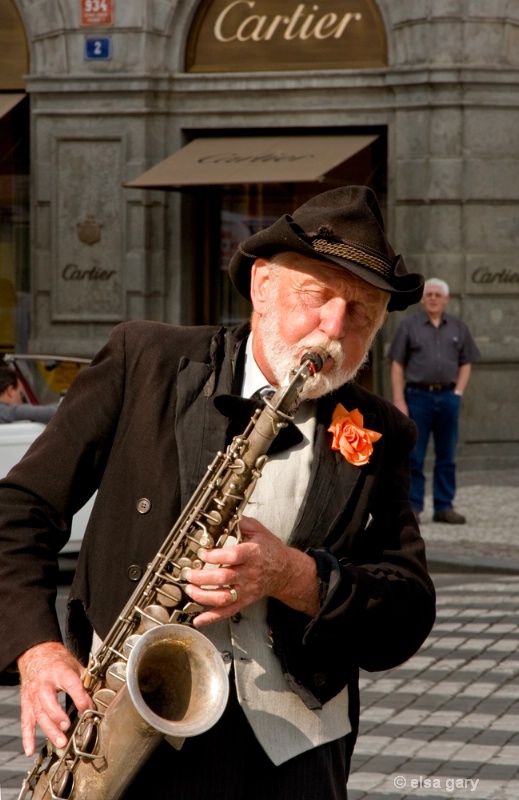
<point>319,678</point>
<point>134,572</point>
<point>143,505</point>
<point>227,656</point>
<point>236,617</point>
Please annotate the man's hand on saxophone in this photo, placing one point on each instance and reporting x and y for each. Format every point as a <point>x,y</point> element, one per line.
<point>45,670</point>
<point>260,566</point>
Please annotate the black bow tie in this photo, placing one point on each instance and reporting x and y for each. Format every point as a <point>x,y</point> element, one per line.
<point>239,411</point>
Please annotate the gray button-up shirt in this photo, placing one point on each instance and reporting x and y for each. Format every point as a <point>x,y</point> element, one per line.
<point>433,354</point>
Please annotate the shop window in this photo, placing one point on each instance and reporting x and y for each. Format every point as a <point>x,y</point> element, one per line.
<point>14,57</point>
<point>14,226</point>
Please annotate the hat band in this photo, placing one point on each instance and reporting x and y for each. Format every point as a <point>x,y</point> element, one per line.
<point>352,253</point>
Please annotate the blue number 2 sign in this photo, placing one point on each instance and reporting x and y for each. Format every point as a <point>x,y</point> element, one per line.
<point>99,47</point>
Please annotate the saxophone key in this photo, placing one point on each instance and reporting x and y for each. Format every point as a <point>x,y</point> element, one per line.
<point>238,467</point>
<point>214,518</point>
<point>206,540</point>
<point>102,699</point>
<point>62,781</point>
<point>192,608</point>
<point>169,595</point>
<point>116,675</point>
<point>85,735</point>
<point>151,616</point>
<point>130,643</point>
<point>184,564</point>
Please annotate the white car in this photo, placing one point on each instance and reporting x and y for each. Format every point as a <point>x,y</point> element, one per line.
<point>45,377</point>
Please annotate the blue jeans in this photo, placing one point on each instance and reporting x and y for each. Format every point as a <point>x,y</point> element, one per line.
<point>435,413</point>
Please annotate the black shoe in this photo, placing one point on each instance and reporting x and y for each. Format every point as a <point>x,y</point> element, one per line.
<point>450,516</point>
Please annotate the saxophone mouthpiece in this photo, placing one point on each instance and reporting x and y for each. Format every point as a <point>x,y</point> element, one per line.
<point>317,359</point>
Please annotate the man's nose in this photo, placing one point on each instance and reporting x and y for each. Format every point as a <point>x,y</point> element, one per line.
<point>333,318</point>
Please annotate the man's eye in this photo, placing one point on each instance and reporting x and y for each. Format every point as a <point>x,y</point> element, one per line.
<point>361,318</point>
<point>312,298</point>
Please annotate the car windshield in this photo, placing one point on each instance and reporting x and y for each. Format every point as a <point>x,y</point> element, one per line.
<point>45,378</point>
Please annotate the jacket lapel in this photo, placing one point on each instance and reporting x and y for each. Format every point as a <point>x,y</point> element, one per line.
<point>200,428</point>
<point>334,486</point>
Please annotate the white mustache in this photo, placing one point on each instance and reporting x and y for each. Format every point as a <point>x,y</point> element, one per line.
<point>331,347</point>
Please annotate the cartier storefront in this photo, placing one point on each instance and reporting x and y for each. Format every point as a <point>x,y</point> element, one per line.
<point>163,133</point>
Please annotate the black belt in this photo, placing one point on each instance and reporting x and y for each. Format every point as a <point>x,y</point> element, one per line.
<point>432,387</point>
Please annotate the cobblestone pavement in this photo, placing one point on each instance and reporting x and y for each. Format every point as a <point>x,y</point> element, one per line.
<point>490,502</point>
<point>446,723</point>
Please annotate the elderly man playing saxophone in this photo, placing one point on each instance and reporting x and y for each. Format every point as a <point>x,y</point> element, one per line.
<point>330,574</point>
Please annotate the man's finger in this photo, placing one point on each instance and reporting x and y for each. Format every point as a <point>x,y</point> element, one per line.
<point>28,726</point>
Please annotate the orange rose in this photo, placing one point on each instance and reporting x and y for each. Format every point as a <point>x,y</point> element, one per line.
<point>350,437</point>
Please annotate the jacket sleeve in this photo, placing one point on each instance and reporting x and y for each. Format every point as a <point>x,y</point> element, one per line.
<point>26,412</point>
<point>377,599</point>
<point>39,496</point>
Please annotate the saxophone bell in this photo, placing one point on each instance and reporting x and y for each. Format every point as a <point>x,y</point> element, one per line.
<point>176,685</point>
<point>177,680</point>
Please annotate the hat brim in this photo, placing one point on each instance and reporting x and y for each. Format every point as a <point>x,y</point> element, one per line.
<point>282,236</point>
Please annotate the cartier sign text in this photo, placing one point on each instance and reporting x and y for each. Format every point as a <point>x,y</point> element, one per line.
<point>303,23</point>
<point>74,273</point>
<point>261,35</point>
<point>487,276</point>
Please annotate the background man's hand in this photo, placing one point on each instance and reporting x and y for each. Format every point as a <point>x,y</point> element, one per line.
<point>46,670</point>
<point>260,566</point>
<point>402,406</point>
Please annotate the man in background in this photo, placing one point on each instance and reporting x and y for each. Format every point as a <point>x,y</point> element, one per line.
<point>432,355</point>
<point>13,406</point>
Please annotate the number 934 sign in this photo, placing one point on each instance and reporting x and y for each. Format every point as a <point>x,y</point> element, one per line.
<point>96,12</point>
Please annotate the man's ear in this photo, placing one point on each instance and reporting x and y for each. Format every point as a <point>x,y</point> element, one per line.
<point>259,284</point>
<point>7,395</point>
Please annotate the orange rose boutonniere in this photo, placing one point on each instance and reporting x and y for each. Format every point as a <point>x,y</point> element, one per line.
<point>350,437</point>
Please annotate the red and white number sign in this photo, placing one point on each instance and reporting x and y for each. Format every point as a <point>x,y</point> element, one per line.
<point>96,12</point>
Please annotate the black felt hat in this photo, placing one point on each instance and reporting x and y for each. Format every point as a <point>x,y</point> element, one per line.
<point>342,227</point>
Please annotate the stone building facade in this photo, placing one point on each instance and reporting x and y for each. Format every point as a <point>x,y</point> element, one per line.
<point>117,86</point>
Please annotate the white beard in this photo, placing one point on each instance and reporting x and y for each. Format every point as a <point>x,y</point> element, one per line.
<point>282,357</point>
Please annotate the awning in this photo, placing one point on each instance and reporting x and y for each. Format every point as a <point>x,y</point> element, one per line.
<point>251,159</point>
<point>8,102</point>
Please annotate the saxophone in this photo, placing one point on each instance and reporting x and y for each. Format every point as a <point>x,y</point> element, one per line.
<point>155,675</point>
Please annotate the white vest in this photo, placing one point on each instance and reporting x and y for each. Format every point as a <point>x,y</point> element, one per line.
<point>282,723</point>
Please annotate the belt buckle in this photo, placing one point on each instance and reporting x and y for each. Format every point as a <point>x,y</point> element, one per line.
<point>435,387</point>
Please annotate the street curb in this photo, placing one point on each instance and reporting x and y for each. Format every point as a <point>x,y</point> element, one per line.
<point>443,562</point>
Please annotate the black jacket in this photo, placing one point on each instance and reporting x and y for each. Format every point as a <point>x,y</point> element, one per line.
<point>140,422</point>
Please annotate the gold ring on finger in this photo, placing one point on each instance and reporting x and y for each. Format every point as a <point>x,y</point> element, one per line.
<point>234,594</point>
